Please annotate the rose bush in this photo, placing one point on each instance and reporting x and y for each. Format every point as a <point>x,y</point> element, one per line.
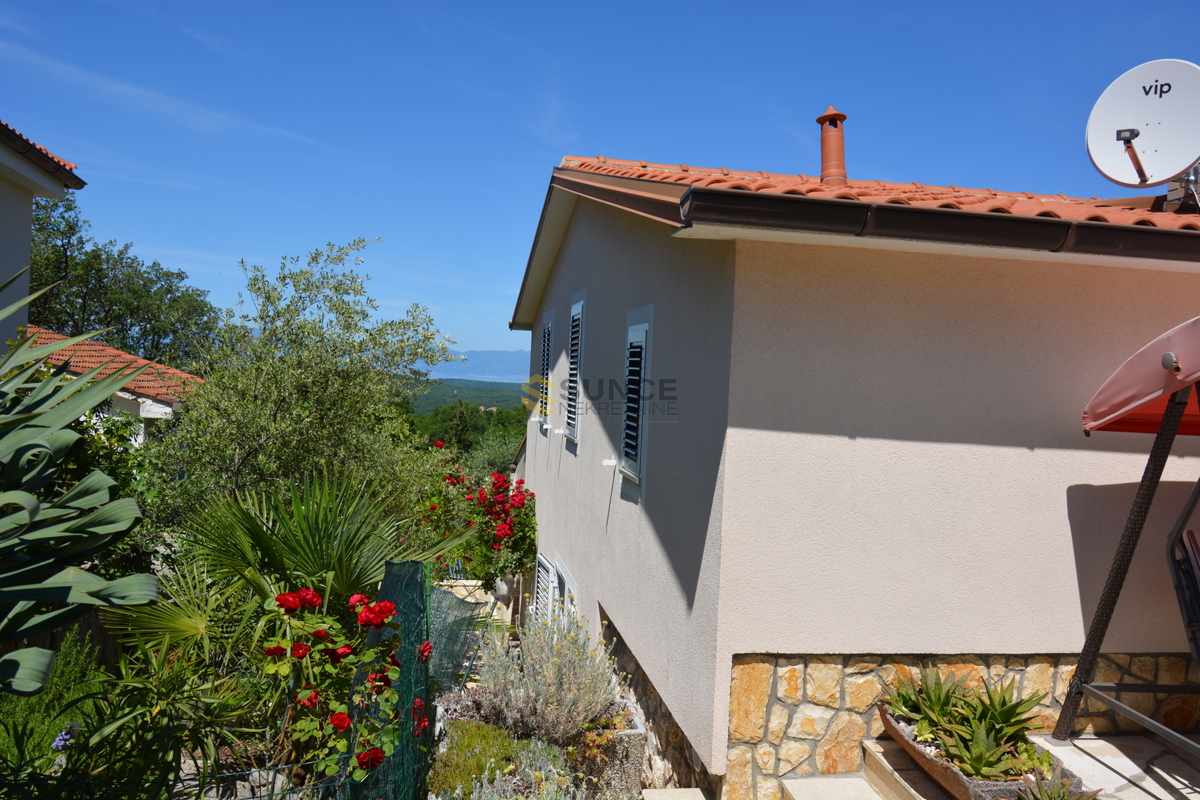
<point>498,513</point>
<point>312,648</point>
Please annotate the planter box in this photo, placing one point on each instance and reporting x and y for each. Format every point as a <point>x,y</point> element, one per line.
<point>618,774</point>
<point>957,785</point>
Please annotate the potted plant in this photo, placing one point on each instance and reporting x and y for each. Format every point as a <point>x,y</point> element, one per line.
<point>973,743</point>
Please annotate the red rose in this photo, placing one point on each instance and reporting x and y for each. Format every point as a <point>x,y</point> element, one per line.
<point>340,721</point>
<point>495,547</point>
<point>310,701</point>
<point>376,615</point>
<point>358,600</point>
<point>418,704</point>
<point>439,445</point>
<point>336,656</point>
<point>275,652</point>
<point>423,652</point>
<point>300,650</point>
<point>433,508</point>
<point>369,759</point>
<point>419,725</point>
<point>288,601</point>
<point>309,597</point>
<point>321,634</point>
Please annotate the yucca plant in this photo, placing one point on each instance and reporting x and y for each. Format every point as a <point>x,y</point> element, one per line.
<point>159,707</point>
<point>42,540</point>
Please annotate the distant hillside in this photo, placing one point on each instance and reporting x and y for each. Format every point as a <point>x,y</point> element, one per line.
<point>476,393</point>
<point>486,365</point>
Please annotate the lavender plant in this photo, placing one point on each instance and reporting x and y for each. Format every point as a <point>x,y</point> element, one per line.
<point>553,684</point>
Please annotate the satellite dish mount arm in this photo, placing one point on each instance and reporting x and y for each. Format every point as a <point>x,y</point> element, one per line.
<point>1127,135</point>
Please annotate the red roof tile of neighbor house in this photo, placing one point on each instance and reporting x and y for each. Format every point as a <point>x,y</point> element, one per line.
<point>160,383</point>
<point>910,194</point>
<point>41,156</point>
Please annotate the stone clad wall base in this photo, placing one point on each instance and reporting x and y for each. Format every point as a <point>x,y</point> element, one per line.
<point>671,762</point>
<point>799,715</point>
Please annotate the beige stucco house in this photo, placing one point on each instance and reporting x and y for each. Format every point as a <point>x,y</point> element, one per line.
<point>27,170</point>
<point>857,446</point>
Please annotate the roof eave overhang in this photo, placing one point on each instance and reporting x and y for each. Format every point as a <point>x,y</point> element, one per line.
<point>689,209</point>
<point>39,159</point>
<point>939,225</point>
<point>653,199</point>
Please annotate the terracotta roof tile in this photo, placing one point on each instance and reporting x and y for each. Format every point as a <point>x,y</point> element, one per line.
<point>161,383</point>
<point>41,156</point>
<point>876,191</point>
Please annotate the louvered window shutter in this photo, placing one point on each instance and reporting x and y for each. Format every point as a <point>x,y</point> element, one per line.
<point>543,591</point>
<point>635,376</point>
<point>574,351</point>
<point>544,375</point>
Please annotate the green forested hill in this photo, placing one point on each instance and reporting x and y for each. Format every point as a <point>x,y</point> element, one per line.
<point>476,393</point>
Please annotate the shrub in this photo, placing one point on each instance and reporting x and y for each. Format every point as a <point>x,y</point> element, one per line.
<point>75,672</point>
<point>552,685</point>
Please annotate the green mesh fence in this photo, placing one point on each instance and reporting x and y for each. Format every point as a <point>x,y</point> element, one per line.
<point>424,614</point>
<point>454,629</point>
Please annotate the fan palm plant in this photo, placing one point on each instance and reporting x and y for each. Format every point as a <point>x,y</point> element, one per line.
<point>330,530</point>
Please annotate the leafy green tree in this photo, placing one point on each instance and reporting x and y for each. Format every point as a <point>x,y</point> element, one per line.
<point>152,312</point>
<point>305,379</point>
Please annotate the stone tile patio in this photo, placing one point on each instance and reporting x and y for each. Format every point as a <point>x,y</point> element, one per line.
<point>1133,767</point>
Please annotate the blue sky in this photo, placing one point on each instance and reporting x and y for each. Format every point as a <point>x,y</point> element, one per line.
<point>214,131</point>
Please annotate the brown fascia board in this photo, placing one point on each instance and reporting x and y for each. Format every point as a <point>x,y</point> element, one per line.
<point>45,162</point>
<point>682,206</point>
<point>952,226</point>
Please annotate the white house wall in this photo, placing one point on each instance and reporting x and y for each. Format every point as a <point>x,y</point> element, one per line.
<point>905,470</point>
<point>16,221</point>
<point>649,554</point>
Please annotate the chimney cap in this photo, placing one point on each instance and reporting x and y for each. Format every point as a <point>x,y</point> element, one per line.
<point>831,113</point>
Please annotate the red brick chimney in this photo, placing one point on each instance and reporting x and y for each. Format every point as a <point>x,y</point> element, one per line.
<point>833,147</point>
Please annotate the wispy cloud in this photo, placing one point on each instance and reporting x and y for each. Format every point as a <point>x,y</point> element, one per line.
<point>211,42</point>
<point>127,94</point>
<point>553,125</point>
<point>116,176</point>
<point>7,23</point>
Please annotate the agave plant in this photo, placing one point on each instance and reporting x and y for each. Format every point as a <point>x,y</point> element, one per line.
<point>1056,787</point>
<point>41,540</point>
<point>1008,718</point>
<point>978,754</point>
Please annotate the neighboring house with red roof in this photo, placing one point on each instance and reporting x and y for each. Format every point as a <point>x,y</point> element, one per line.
<point>803,432</point>
<point>155,394</point>
<point>27,170</point>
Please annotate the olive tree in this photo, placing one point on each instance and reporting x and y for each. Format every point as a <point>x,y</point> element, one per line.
<point>304,377</point>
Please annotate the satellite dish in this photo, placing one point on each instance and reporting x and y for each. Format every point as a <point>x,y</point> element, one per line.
<point>1145,129</point>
